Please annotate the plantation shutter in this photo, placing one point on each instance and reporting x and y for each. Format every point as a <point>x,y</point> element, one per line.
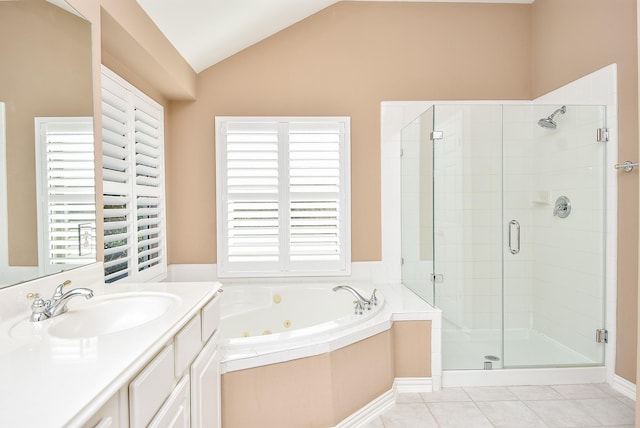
<point>133,182</point>
<point>283,188</point>
<point>68,192</point>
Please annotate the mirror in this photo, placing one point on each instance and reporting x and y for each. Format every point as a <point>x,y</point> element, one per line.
<point>46,115</point>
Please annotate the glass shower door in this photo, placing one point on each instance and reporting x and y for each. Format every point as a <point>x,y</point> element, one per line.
<point>467,233</point>
<point>417,206</point>
<point>554,229</point>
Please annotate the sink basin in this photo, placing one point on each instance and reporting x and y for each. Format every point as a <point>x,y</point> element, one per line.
<point>101,315</point>
<point>111,314</point>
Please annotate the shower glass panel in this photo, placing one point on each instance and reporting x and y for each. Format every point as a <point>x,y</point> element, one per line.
<point>417,206</point>
<point>554,285</point>
<point>468,233</point>
<point>517,241</point>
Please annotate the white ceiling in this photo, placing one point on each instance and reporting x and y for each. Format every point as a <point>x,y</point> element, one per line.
<point>206,32</point>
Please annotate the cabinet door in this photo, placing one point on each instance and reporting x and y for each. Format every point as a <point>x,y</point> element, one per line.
<point>109,416</point>
<point>175,412</point>
<point>151,388</point>
<point>205,386</point>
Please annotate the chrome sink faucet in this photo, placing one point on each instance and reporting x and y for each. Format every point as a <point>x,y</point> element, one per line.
<point>42,309</point>
<point>361,302</point>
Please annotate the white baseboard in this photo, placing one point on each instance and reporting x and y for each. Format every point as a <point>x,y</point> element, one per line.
<point>623,386</point>
<point>404,385</point>
<point>386,401</point>
<point>539,376</point>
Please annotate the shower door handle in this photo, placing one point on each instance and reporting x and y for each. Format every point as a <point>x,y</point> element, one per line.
<point>512,249</point>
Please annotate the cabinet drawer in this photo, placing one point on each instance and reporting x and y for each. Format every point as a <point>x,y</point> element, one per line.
<point>210,317</point>
<point>151,388</point>
<point>188,343</point>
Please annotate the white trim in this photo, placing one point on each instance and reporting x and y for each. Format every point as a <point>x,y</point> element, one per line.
<point>369,412</point>
<point>512,377</point>
<point>624,387</point>
<point>406,385</point>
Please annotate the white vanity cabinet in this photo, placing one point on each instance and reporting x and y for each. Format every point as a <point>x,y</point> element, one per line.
<point>180,387</point>
<point>112,415</point>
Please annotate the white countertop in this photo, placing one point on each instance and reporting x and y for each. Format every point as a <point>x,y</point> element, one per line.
<point>54,382</point>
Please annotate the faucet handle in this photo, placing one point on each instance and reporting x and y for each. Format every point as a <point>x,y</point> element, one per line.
<point>38,309</point>
<point>58,293</point>
<point>374,299</point>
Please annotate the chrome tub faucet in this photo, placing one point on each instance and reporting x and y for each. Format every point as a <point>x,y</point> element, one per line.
<point>42,309</point>
<point>361,302</point>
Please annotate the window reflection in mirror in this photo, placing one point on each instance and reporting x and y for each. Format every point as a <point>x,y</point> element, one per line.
<point>45,72</point>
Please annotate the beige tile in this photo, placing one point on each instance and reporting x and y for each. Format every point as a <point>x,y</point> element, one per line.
<point>535,392</point>
<point>579,392</point>
<point>376,423</point>
<point>507,414</point>
<point>607,411</point>
<point>490,393</point>
<point>409,415</point>
<point>410,397</point>
<point>627,401</point>
<point>561,413</point>
<point>458,415</point>
<point>445,394</point>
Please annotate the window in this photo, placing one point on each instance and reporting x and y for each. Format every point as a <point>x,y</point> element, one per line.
<point>133,180</point>
<point>66,191</point>
<point>283,196</point>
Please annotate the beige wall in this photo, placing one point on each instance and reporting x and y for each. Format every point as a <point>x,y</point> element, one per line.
<point>323,390</point>
<point>349,57</point>
<point>343,60</point>
<point>49,75</point>
<point>572,38</point>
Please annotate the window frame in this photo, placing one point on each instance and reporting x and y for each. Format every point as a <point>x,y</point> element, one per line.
<point>285,267</point>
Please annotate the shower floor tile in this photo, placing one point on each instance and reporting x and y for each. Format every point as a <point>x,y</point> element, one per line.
<point>581,406</point>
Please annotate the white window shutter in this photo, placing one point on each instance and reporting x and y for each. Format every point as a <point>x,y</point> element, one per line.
<point>133,180</point>
<point>283,190</point>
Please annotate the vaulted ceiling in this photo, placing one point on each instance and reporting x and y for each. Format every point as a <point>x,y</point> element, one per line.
<point>206,32</point>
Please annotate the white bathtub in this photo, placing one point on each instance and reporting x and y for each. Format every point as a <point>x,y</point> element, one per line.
<point>266,314</point>
<point>310,319</point>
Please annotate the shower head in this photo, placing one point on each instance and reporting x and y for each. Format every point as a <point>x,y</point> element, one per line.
<point>548,122</point>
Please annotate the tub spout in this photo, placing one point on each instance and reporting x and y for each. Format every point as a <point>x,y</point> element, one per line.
<point>361,302</point>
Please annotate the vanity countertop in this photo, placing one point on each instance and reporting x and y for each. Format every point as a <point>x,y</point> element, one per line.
<point>55,382</point>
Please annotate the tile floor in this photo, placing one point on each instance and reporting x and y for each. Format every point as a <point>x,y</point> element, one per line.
<point>584,406</point>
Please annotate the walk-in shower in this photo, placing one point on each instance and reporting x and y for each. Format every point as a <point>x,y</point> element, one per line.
<point>503,228</point>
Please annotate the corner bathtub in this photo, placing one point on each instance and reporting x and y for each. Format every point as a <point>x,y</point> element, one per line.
<point>264,324</point>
